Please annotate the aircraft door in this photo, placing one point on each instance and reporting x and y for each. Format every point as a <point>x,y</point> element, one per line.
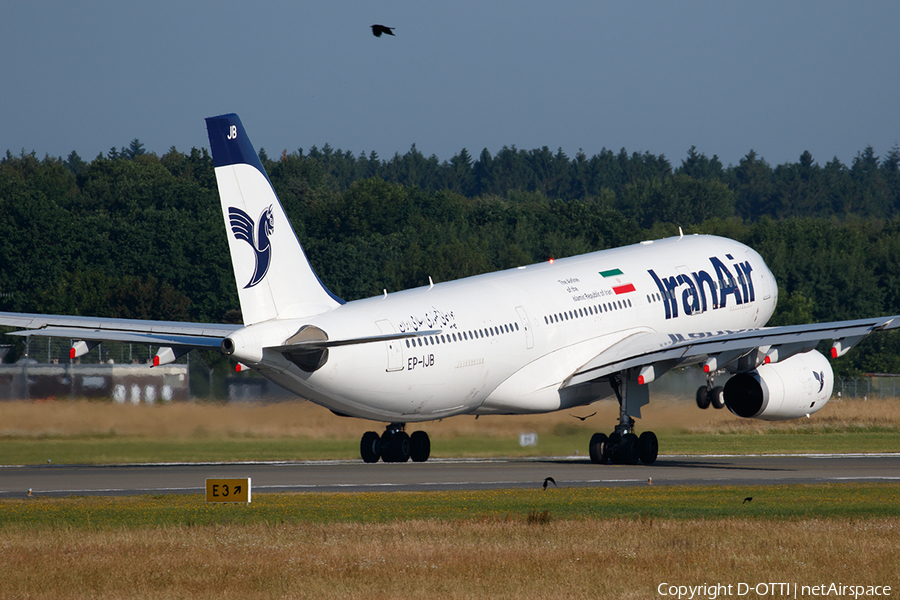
<point>394,347</point>
<point>523,318</point>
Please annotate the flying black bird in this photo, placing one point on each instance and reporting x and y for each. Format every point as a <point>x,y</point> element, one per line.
<point>583,418</point>
<point>746,500</point>
<point>377,30</point>
<point>550,480</point>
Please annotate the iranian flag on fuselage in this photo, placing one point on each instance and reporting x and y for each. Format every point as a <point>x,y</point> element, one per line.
<point>619,287</point>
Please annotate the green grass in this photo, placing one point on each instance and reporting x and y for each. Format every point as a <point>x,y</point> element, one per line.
<point>136,449</point>
<point>119,449</point>
<point>845,501</point>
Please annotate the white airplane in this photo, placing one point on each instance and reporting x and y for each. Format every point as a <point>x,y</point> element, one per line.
<point>534,339</point>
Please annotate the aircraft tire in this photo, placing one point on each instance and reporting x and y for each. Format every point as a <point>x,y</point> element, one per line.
<point>369,447</point>
<point>648,447</point>
<point>397,448</point>
<point>703,397</point>
<point>717,397</point>
<point>597,448</point>
<point>419,446</point>
<point>628,450</point>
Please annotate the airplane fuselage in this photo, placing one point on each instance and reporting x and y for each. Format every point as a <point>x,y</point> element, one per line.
<point>508,340</point>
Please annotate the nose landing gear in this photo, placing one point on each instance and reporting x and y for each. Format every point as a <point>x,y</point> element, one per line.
<point>711,394</point>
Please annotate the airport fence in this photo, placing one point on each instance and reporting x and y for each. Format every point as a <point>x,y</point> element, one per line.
<point>880,385</point>
<point>122,372</point>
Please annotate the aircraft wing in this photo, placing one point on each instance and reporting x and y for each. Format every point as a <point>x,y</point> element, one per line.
<point>655,353</point>
<point>162,333</point>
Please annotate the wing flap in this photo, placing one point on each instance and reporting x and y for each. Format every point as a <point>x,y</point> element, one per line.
<point>204,335</point>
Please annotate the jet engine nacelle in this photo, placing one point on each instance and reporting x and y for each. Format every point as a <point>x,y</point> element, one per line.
<point>789,389</point>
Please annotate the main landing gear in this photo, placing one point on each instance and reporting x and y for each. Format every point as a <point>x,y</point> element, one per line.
<point>623,446</point>
<point>395,445</point>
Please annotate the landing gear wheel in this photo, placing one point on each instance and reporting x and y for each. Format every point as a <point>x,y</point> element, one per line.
<point>703,398</point>
<point>648,447</point>
<point>396,448</point>
<point>628,450</point>
<point>717,397</point>
<point>598,445</point>
<point>419,446</point>
<point>369,447</point>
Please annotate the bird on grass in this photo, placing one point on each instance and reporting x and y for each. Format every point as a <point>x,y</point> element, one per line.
<point>377,30</point>
<point>747,499</point>
<point>583,418</point>
<point>549,480</point>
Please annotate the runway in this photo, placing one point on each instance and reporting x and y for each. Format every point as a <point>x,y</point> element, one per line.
<point>445,474</point>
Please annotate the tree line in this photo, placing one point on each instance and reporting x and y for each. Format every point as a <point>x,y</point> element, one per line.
<point>135,235</point>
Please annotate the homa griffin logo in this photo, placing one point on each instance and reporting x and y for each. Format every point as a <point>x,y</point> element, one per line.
<point>242,226</point>
<point>820,377</point>
<point>699,291</point>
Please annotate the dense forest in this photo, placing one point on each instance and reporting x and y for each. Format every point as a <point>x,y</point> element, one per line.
<point>132,234</point>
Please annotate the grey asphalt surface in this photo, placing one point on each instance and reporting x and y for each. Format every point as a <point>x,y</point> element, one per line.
<point>445,474</point>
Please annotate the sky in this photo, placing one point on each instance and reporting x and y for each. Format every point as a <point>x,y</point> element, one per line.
<point>778,77</point>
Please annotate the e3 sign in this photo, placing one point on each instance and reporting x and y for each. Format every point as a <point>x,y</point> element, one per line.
<point>228,490</point>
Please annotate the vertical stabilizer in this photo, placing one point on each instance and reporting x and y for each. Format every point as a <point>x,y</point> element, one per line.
<point>273,276</point>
